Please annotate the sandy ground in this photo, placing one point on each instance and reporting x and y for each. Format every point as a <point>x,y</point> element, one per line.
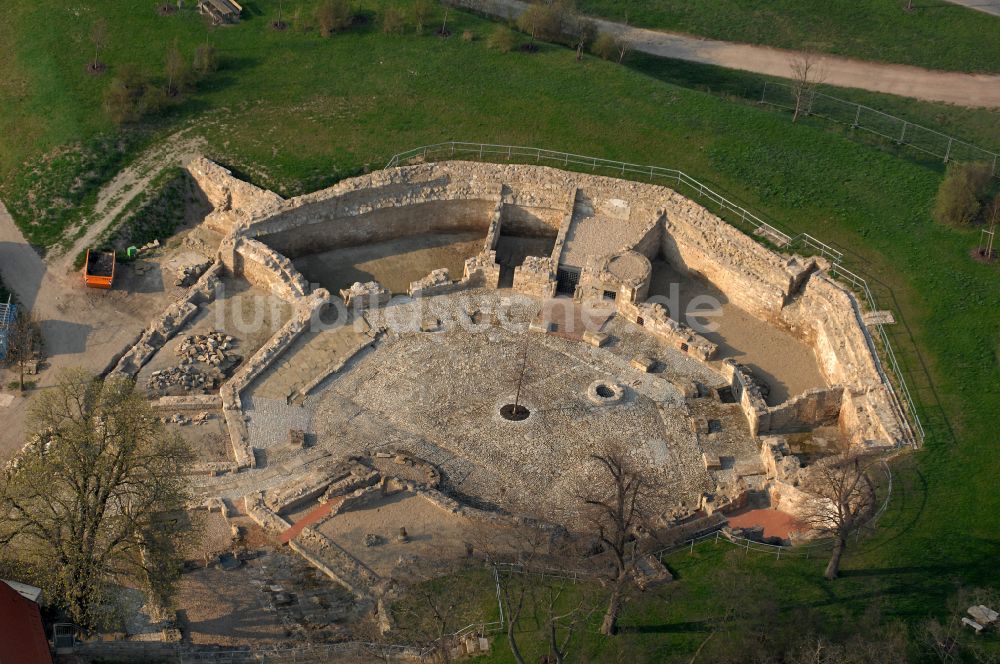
<point>433,534</point>
<point>950,87</point>
<point>787,364</point>
<point>774,522</point>
<point>394,264</point>
<point>210,441</point>
<point>81,327</point>
<point>274,598</point>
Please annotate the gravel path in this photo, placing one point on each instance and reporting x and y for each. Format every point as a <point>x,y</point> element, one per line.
<point>985,6</point>
<point>978,90</point>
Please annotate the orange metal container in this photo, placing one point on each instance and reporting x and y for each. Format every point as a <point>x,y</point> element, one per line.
<point>99,270</point>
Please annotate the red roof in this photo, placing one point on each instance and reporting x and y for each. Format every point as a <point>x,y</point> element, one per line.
<point>22,637</point>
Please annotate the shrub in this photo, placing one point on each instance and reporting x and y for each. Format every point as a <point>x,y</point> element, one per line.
<point>333,16</point>
<point>605,46</point>
<point>540,21</point>
<point>961,194</point>
<point>392,21</point>
<point>131,96</point>
<point>467,36</point>
<point>206,59</point>
<point>421,14</point>
<point>501,39</point>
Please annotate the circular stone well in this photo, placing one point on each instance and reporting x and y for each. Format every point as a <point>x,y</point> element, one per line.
<point>605,392</point>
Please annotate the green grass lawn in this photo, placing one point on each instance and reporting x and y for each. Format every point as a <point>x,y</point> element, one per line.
<point>294,112</point>
<point>936,34</point>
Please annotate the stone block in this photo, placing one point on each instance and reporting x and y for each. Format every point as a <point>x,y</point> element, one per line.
<point>596,339</point>
<point>643,363</point>
<point>711,461</point>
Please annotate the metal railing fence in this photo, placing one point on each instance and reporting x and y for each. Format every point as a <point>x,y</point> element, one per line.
<point>900,395</point>
<point>900,131</point>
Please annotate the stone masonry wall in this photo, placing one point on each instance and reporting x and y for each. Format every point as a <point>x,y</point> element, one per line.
<point>315,228</point>
<point>270,271</point>
<point>236,203</point>
<point>811,409</point>
<point>787,291</point>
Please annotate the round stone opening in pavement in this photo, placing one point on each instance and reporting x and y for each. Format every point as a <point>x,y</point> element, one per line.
<point>514,412</point>
<point>605,392</point>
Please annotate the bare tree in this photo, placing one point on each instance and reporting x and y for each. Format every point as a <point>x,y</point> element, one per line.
<point>533,567</point>
<point>988,234</point>
<point>333,16</point>
<point>841,499</point>
<point>175,68</point>
<point>24,342</point>
<point>807,74</point>
<point>99,38</point>
<point>421,13</point>
<point>433,609</point>
<point>614,510</point>
<point>539,21</point>
<point>584,33</point>
<point>93,499</point>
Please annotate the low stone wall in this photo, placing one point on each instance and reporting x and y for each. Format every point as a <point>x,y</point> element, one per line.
<point>828,316</point>
<point>867,418</point>
<point>750,275</point>
<point>536,277</point>
<point>336,563</point>
<point>167,324</point>
<point>813,408</point>
<point>493,231</point>
<point>236,203</point>
<point>305,309</point>
<point>564,226</point>
<point>482,270</point>
<point>264,516</point>
<point>328,371</point>
<point>189,402</point>
<point>656,319</point>
<point>268,270</point>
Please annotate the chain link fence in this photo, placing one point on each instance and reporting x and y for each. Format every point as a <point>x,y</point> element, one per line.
<point>764,231</point>
<point>900,131</point>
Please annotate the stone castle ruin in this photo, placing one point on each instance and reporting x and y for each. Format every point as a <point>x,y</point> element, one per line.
<point>527,284</point>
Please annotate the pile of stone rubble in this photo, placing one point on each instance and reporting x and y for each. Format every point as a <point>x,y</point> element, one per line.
<point>179,418</point>
<point>187,377</point>
<point>208,349</point>
<point>206,359</point>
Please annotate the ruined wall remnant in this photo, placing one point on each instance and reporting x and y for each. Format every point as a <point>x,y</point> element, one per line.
<point>621,276</point>
<point>605,231</point>
<point>536,276</point>
<point>236,203</point>
<point>656,320</point>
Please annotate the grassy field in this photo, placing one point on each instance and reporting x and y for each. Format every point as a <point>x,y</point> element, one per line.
<point>936,34</point>
<point>293,111</point>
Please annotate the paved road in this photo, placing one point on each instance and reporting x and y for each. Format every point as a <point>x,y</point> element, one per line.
<point>979,90</point>
<point>985,6</point>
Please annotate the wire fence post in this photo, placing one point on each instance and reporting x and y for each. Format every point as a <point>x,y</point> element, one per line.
<point>902,134</point>
<point>857,118</point>
<point>763,92</point>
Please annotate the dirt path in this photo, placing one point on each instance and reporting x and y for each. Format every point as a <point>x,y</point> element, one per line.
<point>81,327</point>
<point>177,150</point>
<point>985,6</point>
<point>978,90</point>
